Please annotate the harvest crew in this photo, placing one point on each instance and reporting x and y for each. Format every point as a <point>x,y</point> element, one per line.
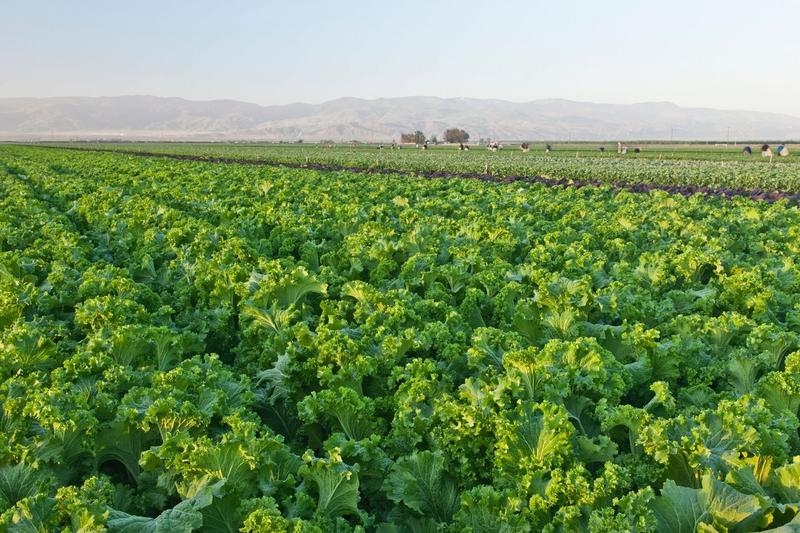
<point>766,151</point>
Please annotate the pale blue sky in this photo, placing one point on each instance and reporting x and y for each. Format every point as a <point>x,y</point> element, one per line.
<point>724,54</point>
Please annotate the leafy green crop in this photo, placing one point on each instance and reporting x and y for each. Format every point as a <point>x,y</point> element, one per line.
<point>662,166</point>
<point>195,346</point>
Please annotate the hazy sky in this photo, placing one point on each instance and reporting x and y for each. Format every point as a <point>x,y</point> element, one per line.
<point>723,54</point>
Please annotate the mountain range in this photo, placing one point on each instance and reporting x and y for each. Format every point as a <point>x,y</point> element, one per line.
<point>378,120</point>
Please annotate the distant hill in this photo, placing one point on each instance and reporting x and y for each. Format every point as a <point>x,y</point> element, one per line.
<point>383,119</point>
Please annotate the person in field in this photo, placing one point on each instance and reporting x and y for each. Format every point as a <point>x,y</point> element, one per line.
<point>766,151</point>
<point>525,147</point>
<point>619,147</point>
<point>747,150</point>
<point>782,150</point>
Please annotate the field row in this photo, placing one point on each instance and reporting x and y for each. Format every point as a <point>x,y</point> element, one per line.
<point>724,171</point>
<point>192,346</point>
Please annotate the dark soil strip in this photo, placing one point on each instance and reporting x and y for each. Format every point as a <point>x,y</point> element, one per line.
<point>684,190</point>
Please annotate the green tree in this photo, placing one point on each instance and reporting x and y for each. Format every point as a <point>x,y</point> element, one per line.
<point>417,137</point>
<point>455,135</point>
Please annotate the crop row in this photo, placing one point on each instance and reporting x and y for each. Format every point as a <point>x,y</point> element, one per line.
<point>730,172</point>
<point>192,346</point>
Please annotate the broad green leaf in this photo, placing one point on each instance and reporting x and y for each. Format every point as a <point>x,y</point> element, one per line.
<point>727,505</point>
<point>336,483</point>
<point>679,509</point>
<point>183,518</point>
<point>421,482</point>
<point>786,482</point>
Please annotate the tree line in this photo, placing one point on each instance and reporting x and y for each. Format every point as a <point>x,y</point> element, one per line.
<point>452,135</point>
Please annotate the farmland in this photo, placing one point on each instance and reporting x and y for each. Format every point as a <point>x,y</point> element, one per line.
<point>203,346</point>
<point>686,166</point>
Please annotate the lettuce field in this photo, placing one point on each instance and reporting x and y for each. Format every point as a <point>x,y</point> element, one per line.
<point>683,169</point>
<point>205,346</point>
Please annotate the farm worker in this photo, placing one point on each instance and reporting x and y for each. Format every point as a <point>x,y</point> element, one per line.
<point>747,150</point>
<point>619,147</point>
<point>782,150</point>
<point>624,150</point>
<point>766,152</point>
